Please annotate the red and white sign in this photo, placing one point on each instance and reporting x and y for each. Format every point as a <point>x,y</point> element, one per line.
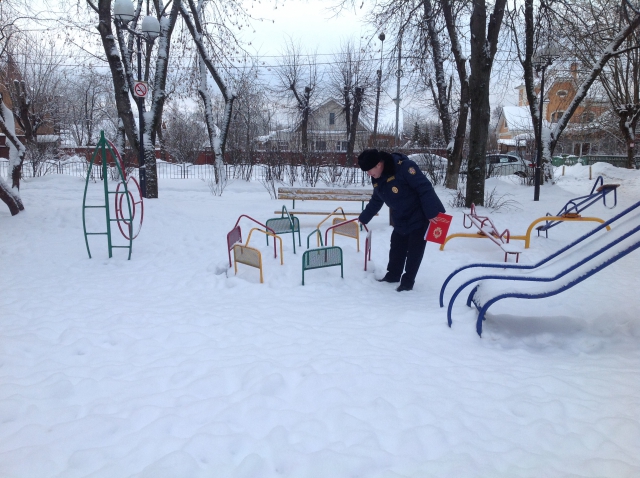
<point>438,228</point>
<point>140,89</point>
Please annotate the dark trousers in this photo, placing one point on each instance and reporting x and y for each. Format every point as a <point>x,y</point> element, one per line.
<point>406,254</point>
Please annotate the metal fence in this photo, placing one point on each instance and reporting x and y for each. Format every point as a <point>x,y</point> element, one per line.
<point>248,172</point>
<point>614,160</point>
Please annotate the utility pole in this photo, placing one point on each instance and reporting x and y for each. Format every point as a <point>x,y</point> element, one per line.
<point>381,37</point>
<point>397,99</point>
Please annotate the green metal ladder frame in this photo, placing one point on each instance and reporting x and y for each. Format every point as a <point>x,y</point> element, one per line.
<point>102,147</point>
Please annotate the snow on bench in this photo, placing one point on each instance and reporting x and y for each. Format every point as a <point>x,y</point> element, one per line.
<point>324,194</point>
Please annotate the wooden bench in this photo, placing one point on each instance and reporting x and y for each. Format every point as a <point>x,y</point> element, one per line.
<point>324,194</point>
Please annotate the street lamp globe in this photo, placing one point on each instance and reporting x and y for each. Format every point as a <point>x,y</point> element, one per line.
<point>150,28</point>
<point>123,10</point>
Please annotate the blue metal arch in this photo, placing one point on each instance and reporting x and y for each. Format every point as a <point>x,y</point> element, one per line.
<point>608,262</point>
<point>541,262</point>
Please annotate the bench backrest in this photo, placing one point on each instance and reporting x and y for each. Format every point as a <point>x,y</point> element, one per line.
<point>325,194</point>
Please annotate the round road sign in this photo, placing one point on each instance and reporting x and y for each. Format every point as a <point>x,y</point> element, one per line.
<point>140,89</point>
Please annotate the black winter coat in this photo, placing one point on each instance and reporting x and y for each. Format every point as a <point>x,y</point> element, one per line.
<point>407,192</point>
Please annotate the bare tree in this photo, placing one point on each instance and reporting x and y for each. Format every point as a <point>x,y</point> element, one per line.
<point>118,46</point>
<point>185,136</point>
<point>10,195</point>
<point>442,92</point>
<point>298,76</point>
<point>248,116</point>
<point>620,77</point>
<point>484,32</point>
<point>195,18</point>
<point>85,108</point>
<point>352,81</point>
<point>610,45</point>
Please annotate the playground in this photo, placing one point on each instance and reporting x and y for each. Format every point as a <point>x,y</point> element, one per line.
<point>171,363</point>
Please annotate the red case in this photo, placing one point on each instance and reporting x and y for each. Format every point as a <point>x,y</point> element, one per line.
<point>437,231</point>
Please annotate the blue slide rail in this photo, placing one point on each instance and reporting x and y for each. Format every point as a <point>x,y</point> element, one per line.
<point>535,266</point>
<point>579,204</point>
<point>520,295</point>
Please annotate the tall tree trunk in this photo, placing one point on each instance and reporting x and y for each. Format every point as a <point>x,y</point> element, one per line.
<point>628,122</point>
<point>10,197</point>
<point>353,131</point>
<point>158,98</point>
<point>455,155</point>
<point>218,141</point>
<point>304,127</point>
<point>484,39</point>
<point>441,99</point>
<point>118,75</point>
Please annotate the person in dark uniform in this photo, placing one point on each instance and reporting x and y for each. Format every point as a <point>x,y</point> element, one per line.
<point>399,183</point>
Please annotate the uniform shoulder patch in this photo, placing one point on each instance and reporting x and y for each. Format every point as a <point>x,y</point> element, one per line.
<point>412,170</point>
<point>391,178</point>
<point>375,185</point>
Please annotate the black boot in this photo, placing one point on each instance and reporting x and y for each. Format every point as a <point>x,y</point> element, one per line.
<point>404,287</point>
<point>388,278</point>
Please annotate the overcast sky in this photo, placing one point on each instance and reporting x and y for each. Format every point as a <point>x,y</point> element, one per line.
<point>315,27</point>
<point>307,21</point>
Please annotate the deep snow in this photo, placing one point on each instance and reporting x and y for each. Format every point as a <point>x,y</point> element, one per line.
<point>168,365</point>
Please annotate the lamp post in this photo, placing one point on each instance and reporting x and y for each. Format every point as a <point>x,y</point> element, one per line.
<point>541,62</point>
<point>381,37</point>
<point>124,12</point>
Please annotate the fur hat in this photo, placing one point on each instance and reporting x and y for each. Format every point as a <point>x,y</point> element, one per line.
<point>369,159</point>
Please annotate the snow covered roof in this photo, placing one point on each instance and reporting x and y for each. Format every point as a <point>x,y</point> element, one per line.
<point>48,138</point>
<point>513,142</point>
<point>281,134</point>
<point>517,118</point>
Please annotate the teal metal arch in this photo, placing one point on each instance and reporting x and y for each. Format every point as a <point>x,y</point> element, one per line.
<point>102,148</point>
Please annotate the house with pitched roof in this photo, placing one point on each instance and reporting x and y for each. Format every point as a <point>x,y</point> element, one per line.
<point>585,132</point>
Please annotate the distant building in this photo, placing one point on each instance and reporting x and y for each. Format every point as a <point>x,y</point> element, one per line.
<point>584,134</point>
<point>327,129</point>
<point>47,135</point>
<point>515,129</point>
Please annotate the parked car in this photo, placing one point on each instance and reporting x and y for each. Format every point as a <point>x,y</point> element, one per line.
<point>507,164</point>
<point>432,165</point>
<point>504,165</point>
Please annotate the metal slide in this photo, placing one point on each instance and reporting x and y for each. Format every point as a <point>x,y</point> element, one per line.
<point>557,272</point>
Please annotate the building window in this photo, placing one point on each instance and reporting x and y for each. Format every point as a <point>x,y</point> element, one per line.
<point>341,145</point>
<point>588,117</point>
<point>321,145</point>
<point>556,115</point>
<point>332,118</point>
<point>562,93</point>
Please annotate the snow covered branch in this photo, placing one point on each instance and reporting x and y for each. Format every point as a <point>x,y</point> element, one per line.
<point>610,51</point>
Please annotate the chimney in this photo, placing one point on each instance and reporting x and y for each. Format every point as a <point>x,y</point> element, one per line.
<point>522,96</point>
<point>574,70</point>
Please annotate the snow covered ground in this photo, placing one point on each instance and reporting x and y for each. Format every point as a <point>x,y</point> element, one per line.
<point>168,365</point>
